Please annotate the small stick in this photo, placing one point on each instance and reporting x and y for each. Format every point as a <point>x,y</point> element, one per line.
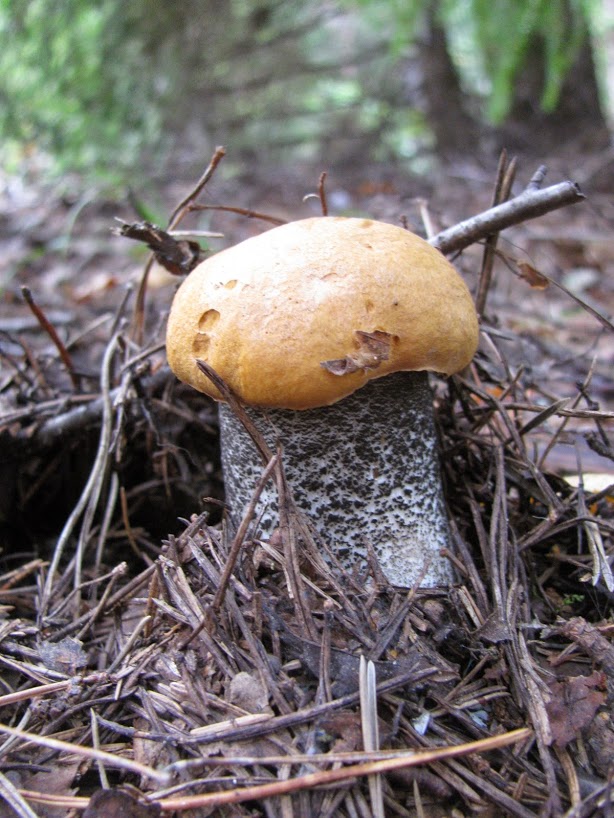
<point>538,177</point>
<point>102,773</point>
<point>425,215</point>
<point>413,758</point>
<point>410,758</point>
<point>237,542</point>
<point>266,453</point>
<point>17,575</point>
<point>528,205</point>
<point>498,193</point>
<point>177,215</point>
<point>61,424</point>
<point>183,206</point>
<point>605,322</point>
<point>112,759</point>
<point>14,799</point>
<point>89,495</point>
<point>51,332</point>
<point>322,193</point>
<point>503,185</point>
<point>240,211</point>
<point>194,234</point>
<point>124,593</point>
<point>119,571</point>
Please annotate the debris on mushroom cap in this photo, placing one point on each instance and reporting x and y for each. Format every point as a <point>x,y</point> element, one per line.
<point>306,313</point>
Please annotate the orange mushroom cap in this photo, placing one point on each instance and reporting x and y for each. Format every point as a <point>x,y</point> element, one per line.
<point>305,314</point>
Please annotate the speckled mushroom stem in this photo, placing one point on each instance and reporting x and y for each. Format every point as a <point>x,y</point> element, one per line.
<point>364,469</point>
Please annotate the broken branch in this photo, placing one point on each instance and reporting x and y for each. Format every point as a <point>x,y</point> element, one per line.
<point>528,205</point>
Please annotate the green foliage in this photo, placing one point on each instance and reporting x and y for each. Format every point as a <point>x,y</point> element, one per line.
<point>492,40</point>
<point>71,85</point>
<point>103,85</point>
<point>506,31</point>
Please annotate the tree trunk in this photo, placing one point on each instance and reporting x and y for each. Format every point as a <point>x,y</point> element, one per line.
<point>454,129</point>
<point>577,120</point>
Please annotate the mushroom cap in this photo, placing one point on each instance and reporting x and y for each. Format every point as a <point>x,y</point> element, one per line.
<point>305,314</point>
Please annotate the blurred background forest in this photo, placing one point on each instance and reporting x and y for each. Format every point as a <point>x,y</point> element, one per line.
<point>123,89</point>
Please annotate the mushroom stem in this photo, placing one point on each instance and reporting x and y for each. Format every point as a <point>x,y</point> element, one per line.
<point>365,469</point>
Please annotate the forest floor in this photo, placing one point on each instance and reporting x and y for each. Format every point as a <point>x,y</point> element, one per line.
<point>129,682</point>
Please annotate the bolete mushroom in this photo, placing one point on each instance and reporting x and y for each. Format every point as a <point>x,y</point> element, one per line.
<point>325,329</point>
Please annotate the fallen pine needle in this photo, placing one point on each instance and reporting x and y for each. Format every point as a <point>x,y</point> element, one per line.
<point>88,752</point>
<point>413,758</point>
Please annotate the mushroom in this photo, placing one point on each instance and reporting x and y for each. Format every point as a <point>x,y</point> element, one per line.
<point>325,329</point>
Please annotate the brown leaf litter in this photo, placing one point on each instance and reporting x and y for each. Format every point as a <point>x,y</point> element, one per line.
<point>217,673</point>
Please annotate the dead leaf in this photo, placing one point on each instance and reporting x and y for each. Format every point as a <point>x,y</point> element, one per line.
<point>178,257</point>
<point>119,804</point>
<point>65,656</point>
<point>57,779</point>
<point>372,349</point>
<point>147,751</point>
<point>573,705</point>
<point>248,693</point>
<point>342,729</point>
<point>531,275</point>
